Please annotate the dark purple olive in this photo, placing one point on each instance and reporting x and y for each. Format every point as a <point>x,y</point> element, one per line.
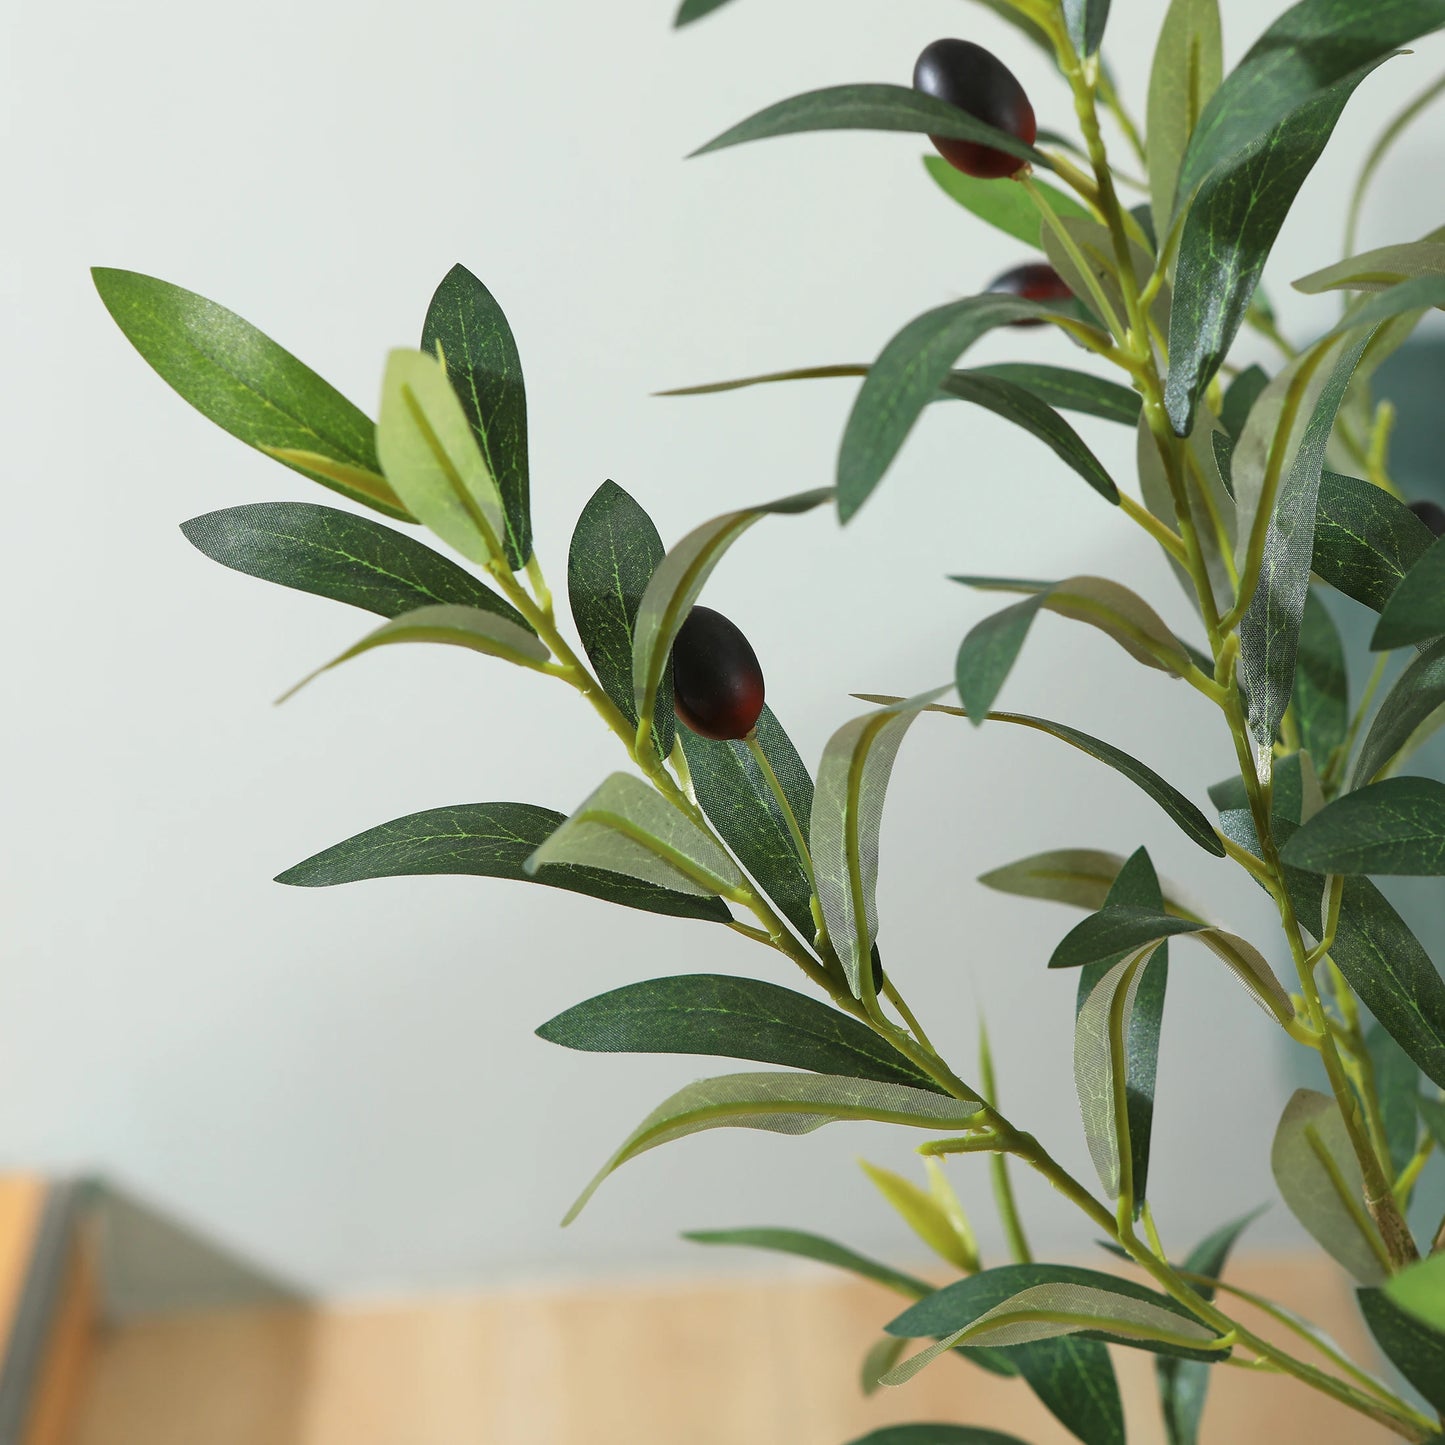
<point>968,76</point>
<point>876,959</point>
<point>1033,281</point>
<point>717,685</point>
<point>1432,514</point>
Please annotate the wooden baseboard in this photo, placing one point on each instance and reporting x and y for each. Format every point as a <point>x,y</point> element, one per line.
<point>765,1362</point>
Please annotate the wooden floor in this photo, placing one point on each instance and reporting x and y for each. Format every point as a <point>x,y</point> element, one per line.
<point>735,1363</point>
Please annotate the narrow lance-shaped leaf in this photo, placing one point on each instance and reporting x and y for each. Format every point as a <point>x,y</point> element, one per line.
<point>1115,930</point>
<point>691,10</point>
<point>782,1104</point>
<point>1188,66</point>
<point>1239,399</point>
<point>1418,694</point>
<point>1319,1179</point>
<point>1397,1086</point>
<point>1145,982</point>
<point>627,827</point>
<point>935,1434</point>
<point>1321,698</point>
<point>339,555</point>
<point>991,647</point>
<point>1078,876</point>
<point>1183,1384</point>
<point>1432,1111</point>
<point>453,626</point>
<point>1395,826</point>
<point>243,381</point>
<point>907,375</point>
<point>1309,49</point>
<point>1416,609</point>
<point>728,1017</point>
<point>927,1216</point>
<point>430,456</point>
<point>1091,242</point>
<point>1365,539</point>
<point>872,107</point>
<point>1392,132</point>
<point>1068,390</point>
<point>843,831</point>
<point>468,330</point>
<point>1184,813</point>
<point>1379,269</point>
<point>1269,631</point>
<point>485,840</point>
<point>677,582</point>
<point>1228,233</point>
<point>740,803</point>
<point>1085,20</point>
<point>1010,208</point>
<point>614,551</point>
<point>1407,1319</point>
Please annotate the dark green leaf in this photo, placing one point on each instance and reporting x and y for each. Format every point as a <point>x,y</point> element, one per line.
<point>467,328</point>
<point>615,550</point>
<point>1432,1111</point>
<point>962,1306</point>
<point>936,1435</point>
<point>871,107</point>
<point>1365,539</point>
<point>737,1018</point>
<point>1137,886</point>
<point>741,805</point>
<point>1394,826</point>
<point>781,1103</point>
<point>339,555</point>
<point>691,10</point>
<point>1069,390</point>
<point>486,840</point>
<point>1188,64</point>
<point>909,373</point>
<point>1321,698</point>
<point>1230,795</point>
<point>1194,824</point>
<point>1319,1179</point>
<point>882,1355</point>
<point>1416,1350</point>
<point>1421,294</point>
<point>1085,20</point>
<point>1022,406</point>
<point>239,378</point>
<point>1183,1384</point>
<point>1312,47</point>
<point>1010,208</point>
<point>1228,232</point>
<point>1239,396</point>
<point>1416,609</point>
<point>1397,1086</point>
<point>1415,697</point>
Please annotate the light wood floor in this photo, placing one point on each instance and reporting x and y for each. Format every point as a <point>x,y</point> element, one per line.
<point>735,1363</point>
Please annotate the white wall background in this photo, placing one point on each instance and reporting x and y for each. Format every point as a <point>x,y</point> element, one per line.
<point>345,1082</point>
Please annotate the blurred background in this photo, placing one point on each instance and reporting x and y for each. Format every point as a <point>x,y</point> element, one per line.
<point>344,1084</point>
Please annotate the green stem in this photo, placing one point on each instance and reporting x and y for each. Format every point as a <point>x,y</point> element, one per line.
<point>1003,1189</point>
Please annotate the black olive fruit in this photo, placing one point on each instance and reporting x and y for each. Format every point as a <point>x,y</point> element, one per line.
<point>1033,281</point>
<point>968,76</point>
<point>1432,514</point>
<point>717,684</point>
<point>876,959</point>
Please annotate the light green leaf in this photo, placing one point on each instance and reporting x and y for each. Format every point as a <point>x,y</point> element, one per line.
<point>1395,826</point>
<point>1379,269</point>
<point>871,107</point>
<point>908,374</point>
<point>1188,817</point>
<point>926,1216</point>
<point>628,827</point>
<point>249,386</point>
<point>1365,539</point>
<point>989,651</point>
<point>678,581</point>
<point>1094,242</point>
<point>430,456</point>
<point>1416,609</point>
<point>468,330</point>
<point>1387,138</point>
<point>614,551</point>
<point>1416,697</point>
<point>781,1103</point>
<point>1319,1179</point>
<point>1007,207</point>
<point>1085,20</point>
<point>1420,1291</point>
<point>452,625</point>
<point>1432,1111</point>
<point>1078,876</point>
<point>728,1017</point>
<point>843,831</point>
<point>339,555</point>
<point>882,1355</point>
<point>1188,66</point>
<point>486,840</point>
